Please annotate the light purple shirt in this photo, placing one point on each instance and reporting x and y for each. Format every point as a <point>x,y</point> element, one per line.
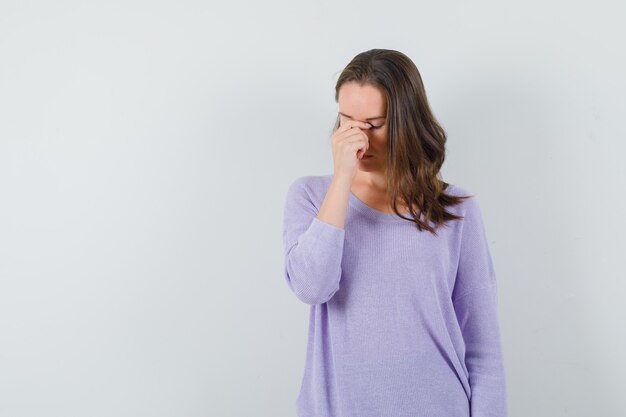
<point>402,323</point>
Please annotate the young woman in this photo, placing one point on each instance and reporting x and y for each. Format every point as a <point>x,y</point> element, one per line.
<point>393,262</point>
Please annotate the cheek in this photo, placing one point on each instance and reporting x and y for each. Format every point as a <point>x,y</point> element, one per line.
<point>379,135</point>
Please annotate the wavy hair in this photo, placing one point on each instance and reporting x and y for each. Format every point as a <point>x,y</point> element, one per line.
<point>415,142</point>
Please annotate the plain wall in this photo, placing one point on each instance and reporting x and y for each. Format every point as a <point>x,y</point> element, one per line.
<point>146,148</point>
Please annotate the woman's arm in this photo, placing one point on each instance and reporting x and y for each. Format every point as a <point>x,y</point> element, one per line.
<point>313,246</point>
<point>476,305</point>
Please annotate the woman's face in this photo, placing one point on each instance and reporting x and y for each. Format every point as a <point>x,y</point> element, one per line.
<point>366,104</point>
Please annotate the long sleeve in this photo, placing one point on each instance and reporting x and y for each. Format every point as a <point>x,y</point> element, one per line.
<point>476,306</point>
<point>313,249</point>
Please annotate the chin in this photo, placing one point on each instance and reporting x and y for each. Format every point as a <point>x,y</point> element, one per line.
<point>366,168</point>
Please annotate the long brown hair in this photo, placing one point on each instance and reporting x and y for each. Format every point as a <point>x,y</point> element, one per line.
<point>416,141</point>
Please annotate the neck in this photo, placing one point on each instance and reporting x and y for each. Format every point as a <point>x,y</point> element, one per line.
<point>375,180</point>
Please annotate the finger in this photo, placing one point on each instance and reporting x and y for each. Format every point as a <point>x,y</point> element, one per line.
<point>349,124</point>
<point>360,140</point>
<point>352,133</point>
<point>359,144</point>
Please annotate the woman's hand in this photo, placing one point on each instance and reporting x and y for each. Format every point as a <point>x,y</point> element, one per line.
<point>349,144</point>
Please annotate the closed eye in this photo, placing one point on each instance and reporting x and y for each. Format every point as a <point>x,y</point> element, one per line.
<point>375,127</point>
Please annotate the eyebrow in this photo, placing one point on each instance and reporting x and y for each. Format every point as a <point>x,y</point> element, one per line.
<point>371,118</point>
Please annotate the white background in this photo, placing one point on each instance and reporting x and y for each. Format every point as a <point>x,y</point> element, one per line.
<point>145,152</point>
